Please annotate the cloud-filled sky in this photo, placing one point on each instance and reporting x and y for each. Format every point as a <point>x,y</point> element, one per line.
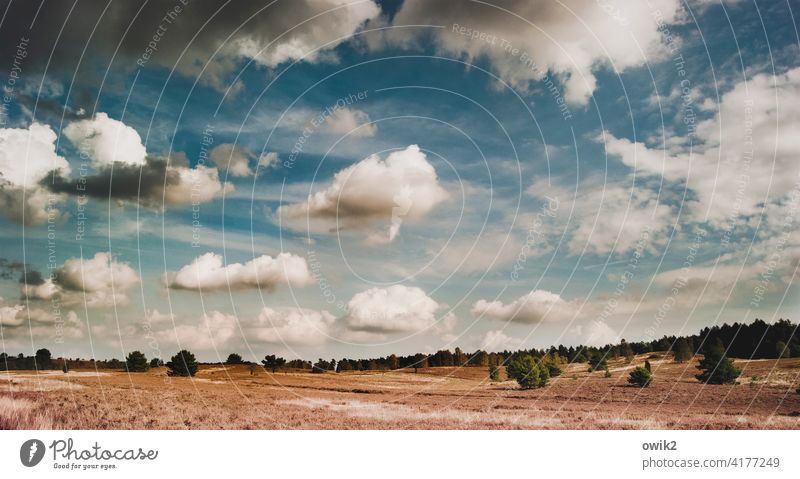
<point>355,178</point>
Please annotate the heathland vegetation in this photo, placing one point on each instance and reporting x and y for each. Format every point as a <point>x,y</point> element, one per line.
<point>531,368</point>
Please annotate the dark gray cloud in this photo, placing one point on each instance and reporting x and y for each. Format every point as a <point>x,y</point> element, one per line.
<point>31,277</point>
<point>10,268</point>
<point>119,182</point>
<point>85,37</point>
<point>156,183</point>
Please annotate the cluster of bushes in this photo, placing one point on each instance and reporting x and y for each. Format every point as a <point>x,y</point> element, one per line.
<point>183,363</point>
<point>43,359</point>
<point>715,368</point>
<point>530,371</point>
<point>441,358</point>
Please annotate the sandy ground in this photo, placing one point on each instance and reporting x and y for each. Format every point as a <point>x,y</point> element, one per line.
<point>435,398</point>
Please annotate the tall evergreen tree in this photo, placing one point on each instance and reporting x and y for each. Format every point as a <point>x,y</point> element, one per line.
<point>626,350</point>
<point>182,364</point>
<point>494,369</point>
<point>44,360</point>
<point>273,362</point>
<point>716,367</point>
<point>682,350</point>
<point>136,362</point>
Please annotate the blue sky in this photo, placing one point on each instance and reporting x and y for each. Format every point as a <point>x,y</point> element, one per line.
<point>610,191</point>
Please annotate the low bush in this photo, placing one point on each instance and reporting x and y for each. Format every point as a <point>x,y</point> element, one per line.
<point>641,377</point>
<point>528,372</point>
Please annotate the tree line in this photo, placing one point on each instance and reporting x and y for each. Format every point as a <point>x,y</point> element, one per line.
<point>758,340</point>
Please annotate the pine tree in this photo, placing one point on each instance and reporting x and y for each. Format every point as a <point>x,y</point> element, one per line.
<point>182,364</point>
<point>273,362</point>
<point>551,362</point>
<point>626,350</point>
<point>234,358</point>
<point>394,363</point>
<point>494,369</point>
<point>716,367</point>
<point>683,352</point>
<point>136,362</point>
<point>641,377</point>
<point>597,361</point>
<point>43,358</point>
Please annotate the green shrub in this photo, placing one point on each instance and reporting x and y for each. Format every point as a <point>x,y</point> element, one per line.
<point>273,362</point>
<point>597,362</point>
<point>553,362</point>
<point>553,369</point>
<point>43,359</point>
<point>641,377</point>
<point>716,367</point>
<point>528,372</point>
<point>234,358</point>
<point>156,363</point>
<point>494,372</point>
<point>136,362</point>
<point>683,352</point>
<point>182,364</point>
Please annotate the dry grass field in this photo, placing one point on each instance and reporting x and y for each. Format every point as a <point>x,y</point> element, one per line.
<point>229,397</point>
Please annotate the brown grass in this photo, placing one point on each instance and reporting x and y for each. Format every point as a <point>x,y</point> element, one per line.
<point>22,414</point>
<point>435,398</point>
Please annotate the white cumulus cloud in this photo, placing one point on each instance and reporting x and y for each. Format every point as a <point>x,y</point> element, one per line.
<point>569,39</point>
<point>497,340</point>
<point>234,158</point>
<point>98,282</point>
<point>106,140</point>
<point>370,194</point>
<point>209,273</point>
<point>293,326</point>
<point>216,330</point>
<point>27,155</point>
<point>397,308</point>
<point>534,307</point>
<point>745,155</point>
<point>350,121</point>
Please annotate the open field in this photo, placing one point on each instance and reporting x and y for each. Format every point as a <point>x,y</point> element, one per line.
<point>229,397</point>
